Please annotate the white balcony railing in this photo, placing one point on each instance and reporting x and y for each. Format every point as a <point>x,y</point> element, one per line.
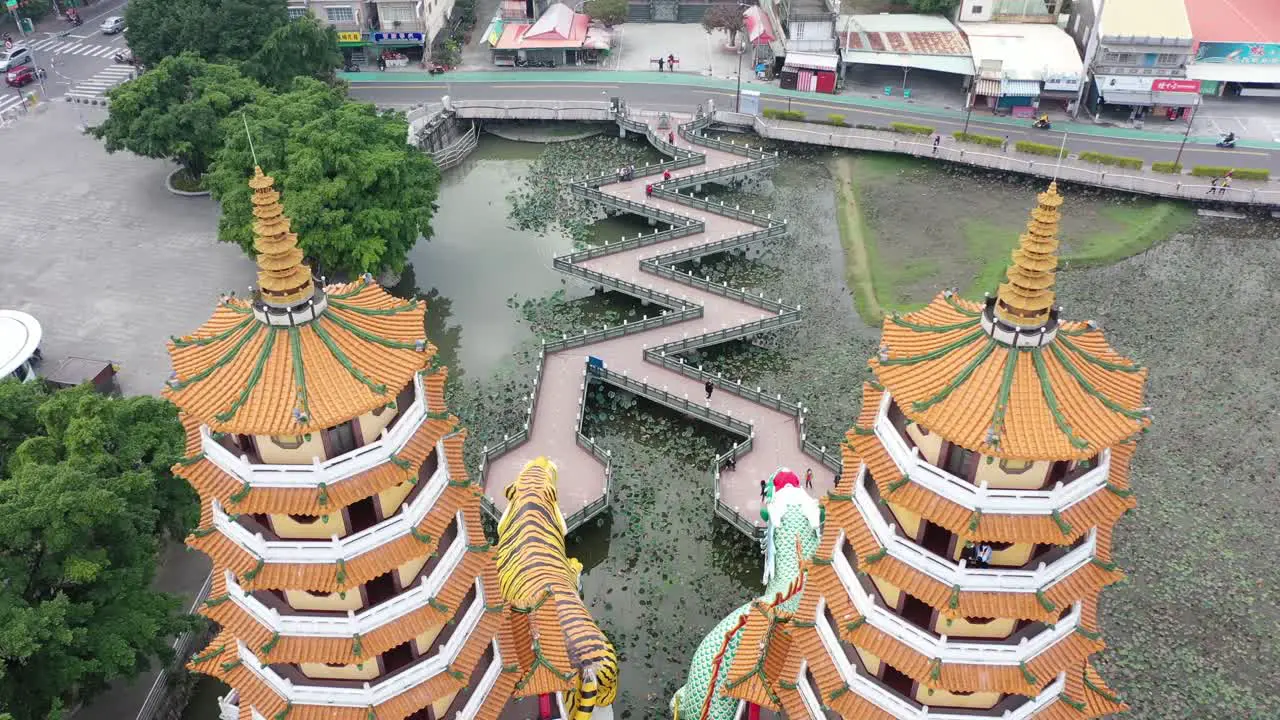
<point>336,548</point>
<point>229,706</point>
<point>981,497</point>
<point>941,647</point>
<point>329,471</point>
<point>960,575</point>
<point>808,695</point>
<point>899,707</point>
<point>371,695</point>
<point>487,681</point>
<point>365,621</point>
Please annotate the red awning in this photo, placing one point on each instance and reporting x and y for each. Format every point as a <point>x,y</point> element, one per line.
<point>758,30</point>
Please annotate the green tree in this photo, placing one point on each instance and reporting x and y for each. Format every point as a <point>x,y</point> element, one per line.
<point>358,195</point>
<point>18,403</point>
<point>935,7</point>
<point>176,110</point>
<point>299,48</point>
<point>608,12</point>
<point>217,30</point>
<point>84,501</point>
<point>724,17</point>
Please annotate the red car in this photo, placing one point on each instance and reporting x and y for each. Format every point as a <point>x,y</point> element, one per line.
<point>22,75</point>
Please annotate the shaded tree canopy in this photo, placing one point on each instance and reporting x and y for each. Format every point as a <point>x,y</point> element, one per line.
<point>724,17</point>
<point>85,497</point>
<point>608,12</point>
<point>937,7</point>
<point>175,110</point>
<point>359,196</point>
<point>217,30</point>
<point>303,47</point>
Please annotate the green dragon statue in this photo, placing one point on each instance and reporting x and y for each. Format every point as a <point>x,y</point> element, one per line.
<point>793,528</point>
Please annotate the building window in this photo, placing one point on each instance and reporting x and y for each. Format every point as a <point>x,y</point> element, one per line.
<point>1014,467</point>
<point>304,519</point>
<point>979,621</point>
<point>1167,59</point>
<point>339,14</point>
<point>288,442</point>
<point>395,13</point>
<point>296,12</point>
<point>976,9</point>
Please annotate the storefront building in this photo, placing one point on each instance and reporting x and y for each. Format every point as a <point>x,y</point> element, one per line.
<point>1237,50</point>
<point>1167,98</point>
<point>1022,67</point>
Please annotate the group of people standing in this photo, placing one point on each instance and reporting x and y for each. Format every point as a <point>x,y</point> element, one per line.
<point>978,556</point>
<point>1220,185</point>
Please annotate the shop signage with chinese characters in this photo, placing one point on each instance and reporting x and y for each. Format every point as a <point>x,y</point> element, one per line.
<point>349,37</point>
<point>1180,86</point>
<point>397,37</point>
<point>1238,53</point>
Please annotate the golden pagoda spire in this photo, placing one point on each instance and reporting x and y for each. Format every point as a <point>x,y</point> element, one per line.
<point>1025,300</point>
<point>283,281</point>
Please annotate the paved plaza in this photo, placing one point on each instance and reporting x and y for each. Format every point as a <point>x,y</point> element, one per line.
<point>97,249</point>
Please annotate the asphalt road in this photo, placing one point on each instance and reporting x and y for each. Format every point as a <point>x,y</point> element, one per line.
<point>78,60</point>
<point>687,97</point>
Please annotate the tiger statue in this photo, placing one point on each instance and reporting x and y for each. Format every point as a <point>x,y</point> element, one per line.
<point>532,561</point>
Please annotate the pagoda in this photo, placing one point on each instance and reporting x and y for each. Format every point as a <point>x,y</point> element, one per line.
<point>995,426</point>
<point>351,576</point>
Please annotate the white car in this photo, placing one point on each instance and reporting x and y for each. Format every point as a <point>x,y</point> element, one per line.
<point>112,25</point>
<point>13,57</point>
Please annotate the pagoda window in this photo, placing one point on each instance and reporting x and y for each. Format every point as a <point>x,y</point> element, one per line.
<point>897,680</point>
<point>979,620</point>
<point>917,612</point>
<point>1015,467</point>
<point>959,461</point>
<point>362,515</point>
<point>288,442</point>
<point>937,539</point>
<point>397,658</point>
<point>340,439</point>
<point>304,519</point>
<point>381,589</point>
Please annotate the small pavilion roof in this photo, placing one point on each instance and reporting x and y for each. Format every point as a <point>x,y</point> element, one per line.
<point>1066,399</point>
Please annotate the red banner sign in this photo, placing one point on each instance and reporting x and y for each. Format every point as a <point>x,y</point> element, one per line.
<point>1186,86</point>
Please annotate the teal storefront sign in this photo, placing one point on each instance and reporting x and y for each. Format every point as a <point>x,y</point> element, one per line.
<point>1238,53</point>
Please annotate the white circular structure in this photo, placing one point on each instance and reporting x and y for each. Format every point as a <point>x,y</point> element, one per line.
<point>19,337</point>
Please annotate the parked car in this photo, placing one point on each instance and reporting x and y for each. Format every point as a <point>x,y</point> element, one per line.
<point>13,57</point>
<point>112,25</point>
<point>22,75</point>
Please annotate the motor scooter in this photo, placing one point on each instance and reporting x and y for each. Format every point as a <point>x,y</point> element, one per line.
<point>73,17</point>
<point>1228,141</point>
<point>1042,123</point>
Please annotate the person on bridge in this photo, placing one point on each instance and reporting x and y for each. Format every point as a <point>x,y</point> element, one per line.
<point>671,137</point>
<point>648,190</point>
<point>808,479</point>
<point>666,175</point>
<point>936,139</point>
<point>660,63</point>
<point>709,387</point>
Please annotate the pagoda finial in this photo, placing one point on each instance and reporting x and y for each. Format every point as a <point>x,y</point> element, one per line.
<point>1025,300</point>
<point>283,280</point>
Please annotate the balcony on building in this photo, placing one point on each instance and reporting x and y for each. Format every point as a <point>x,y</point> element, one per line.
<point>343,15</point>
<point>975,468</point>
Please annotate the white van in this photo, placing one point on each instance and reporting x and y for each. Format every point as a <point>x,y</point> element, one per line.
<point>19,345</point>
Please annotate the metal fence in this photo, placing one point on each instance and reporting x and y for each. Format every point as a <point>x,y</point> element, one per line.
<point>458,151</point>
<point>681,404</point>
<point>732,515</point>
<point>185,644</point>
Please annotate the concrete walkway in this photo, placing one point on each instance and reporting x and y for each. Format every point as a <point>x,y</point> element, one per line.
<point>701,314</point>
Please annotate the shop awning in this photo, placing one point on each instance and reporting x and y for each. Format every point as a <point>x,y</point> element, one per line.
<point>989,88</point>
<point>494,32</point>
<point>1234,73</point>
<point>1175,99</point>
<point>954,64</point>
<point>812,61</point>
<point>1020,88</point>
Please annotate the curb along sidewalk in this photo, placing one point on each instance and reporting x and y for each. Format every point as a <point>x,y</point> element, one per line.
<point>624,77</point>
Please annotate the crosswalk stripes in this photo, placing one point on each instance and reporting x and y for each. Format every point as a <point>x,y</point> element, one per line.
<point>9,101</point>
<point>62,46</point>
<point>97,85</point>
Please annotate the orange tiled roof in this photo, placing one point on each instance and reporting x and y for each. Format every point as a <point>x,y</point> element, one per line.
<point>210,481</point>
<point>541,648</point>
<point>316,649</point>
<point>254,574</point>
<point>1101,509</point>
<point>1066,400</point>
<point>1028,679</point>
<point>757,668</point>
<point>238,375</point>
<point>219,660</point>
<point>1046,606</point>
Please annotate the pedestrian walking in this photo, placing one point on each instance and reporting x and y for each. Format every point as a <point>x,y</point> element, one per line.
<point>660,62</point>
<point>808,479</point>
<point>648,190</point>
<point>382,63</point>
<point>1226,183</point>
<point>709,387</point>
<point>731,463</point>
<point>1004,146</point>
<point>1213,186</point>
<point>671,137</point>
<point>936,139</point>
<point>666,175</point>
<point>762,487</point>
<point>671,61</point>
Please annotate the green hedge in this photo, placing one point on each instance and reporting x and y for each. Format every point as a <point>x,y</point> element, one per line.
<point>1167,167</point>
<point>1237,173</point>
<point>1035,148</point>
<point>792,115</point>
<point>836,119</point>
<point>909,129</point>
<point>992,140</point>
<point>1132,163</point>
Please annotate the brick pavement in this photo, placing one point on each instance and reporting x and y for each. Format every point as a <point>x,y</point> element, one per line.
<point>97,249</point>
<point>553,427</point>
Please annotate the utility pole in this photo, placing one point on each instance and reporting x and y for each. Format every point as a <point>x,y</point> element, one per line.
<point>737,97</point>
<point>1178,159</point>
<point>1090,49</point>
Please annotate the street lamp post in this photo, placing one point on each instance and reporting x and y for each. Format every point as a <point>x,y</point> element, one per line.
<point>1178,159</point>
<point>968,114</point>
<point>13,13</point>
<point>737,96</point>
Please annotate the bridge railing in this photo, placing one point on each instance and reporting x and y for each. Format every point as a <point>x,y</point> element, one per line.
<point>757,396</point>
<point>733,333</point>
<point>631,206</point>
<point>733,515</point>
<point>778,229</point>
<point>722,289</point>
<point>679,404</point>
<point>737,213</point>
<point>455,153</point>
<point>644,293</point>
<point>639,241</point>
<point>590,337</point>
<point>581,517</point>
